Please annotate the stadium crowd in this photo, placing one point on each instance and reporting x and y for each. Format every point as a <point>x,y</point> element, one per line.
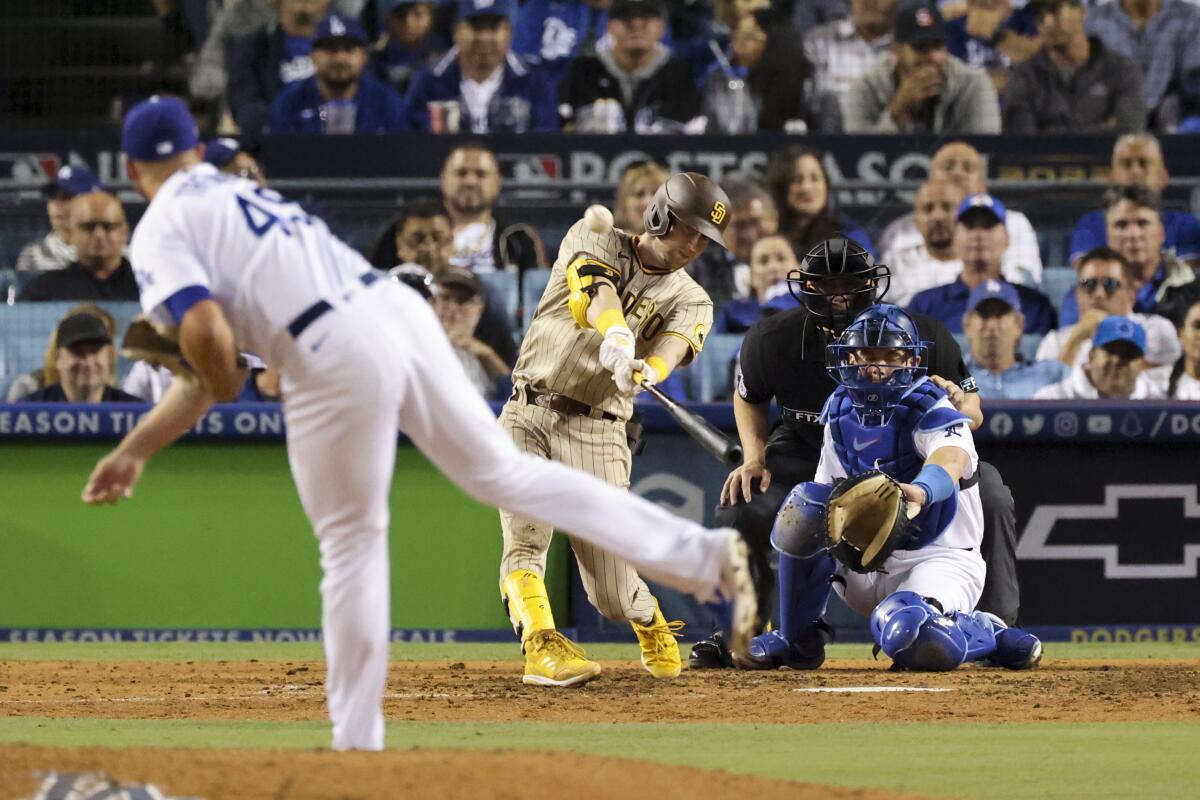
<point>731,66</point>
<point>1125,325</point>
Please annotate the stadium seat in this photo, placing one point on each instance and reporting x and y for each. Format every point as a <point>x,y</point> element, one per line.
<point>533,283</point>
<point>1056,282</point>
<point>502,288</point>
<point>26,327</point>
<point>1028,345</point>
<point>709,379</point>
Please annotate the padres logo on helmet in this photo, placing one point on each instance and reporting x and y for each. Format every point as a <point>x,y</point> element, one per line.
<point>692,199</point>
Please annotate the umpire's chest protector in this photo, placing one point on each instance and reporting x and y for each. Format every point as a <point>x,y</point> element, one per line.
<point>890,448</point>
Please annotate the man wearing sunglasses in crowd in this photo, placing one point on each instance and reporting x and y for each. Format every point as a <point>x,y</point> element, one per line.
<point>98,231</point>
<point>1107,285</point>
<point>1134,222</point>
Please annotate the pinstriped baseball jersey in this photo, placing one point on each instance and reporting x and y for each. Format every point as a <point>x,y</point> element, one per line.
<point>559,356</point>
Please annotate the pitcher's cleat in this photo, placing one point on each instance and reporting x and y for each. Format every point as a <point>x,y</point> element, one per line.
<point>738,588</point>
<point>552,659</point>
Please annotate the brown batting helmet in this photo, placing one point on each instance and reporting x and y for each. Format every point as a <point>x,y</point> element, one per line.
<point>694,200</point>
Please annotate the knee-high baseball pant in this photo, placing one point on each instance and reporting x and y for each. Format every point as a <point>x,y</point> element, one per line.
<point>378,362</point>
<point>597,447</point>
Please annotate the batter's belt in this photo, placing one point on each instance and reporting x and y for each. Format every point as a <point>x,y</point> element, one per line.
<point>560,403</point>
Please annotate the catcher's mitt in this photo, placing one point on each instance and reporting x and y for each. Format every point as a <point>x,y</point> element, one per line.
<point>866,519</point>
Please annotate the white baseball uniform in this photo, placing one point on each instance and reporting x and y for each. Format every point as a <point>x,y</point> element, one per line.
<point>360,358</point>
<point>950,568</point>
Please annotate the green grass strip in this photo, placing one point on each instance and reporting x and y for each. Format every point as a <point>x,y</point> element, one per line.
<point>407,651</point>
<point>972,760</point>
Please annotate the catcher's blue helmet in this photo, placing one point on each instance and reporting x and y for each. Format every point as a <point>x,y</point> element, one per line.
<point>874,391</point>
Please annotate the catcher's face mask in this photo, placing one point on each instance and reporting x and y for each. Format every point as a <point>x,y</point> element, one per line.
<point>878,362</point>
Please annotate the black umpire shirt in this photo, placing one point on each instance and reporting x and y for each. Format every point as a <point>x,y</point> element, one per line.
<point>783,357</point>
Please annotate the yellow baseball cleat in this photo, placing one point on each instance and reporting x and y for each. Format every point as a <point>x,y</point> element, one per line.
<point>660,651</point>
<point>552,659</point>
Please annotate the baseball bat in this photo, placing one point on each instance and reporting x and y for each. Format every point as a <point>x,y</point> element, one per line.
<point>718,445</point>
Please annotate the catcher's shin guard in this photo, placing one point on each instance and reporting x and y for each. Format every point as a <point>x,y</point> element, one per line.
<point>1015,648</point>
<point>916,635</point>
<point>528,603</point>
<point>804,587</point>
<point>799,528</point>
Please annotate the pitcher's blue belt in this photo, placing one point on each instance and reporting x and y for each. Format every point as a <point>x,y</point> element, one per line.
<point>314,312</point>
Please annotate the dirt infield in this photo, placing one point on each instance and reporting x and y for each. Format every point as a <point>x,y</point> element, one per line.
<point>1071,691</point>
<point>251,774</point>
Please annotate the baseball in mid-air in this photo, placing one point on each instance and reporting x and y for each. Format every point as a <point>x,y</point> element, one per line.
<point>599,219</point>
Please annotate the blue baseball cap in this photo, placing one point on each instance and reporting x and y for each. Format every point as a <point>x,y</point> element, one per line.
<point>994,290</point>
<point>219,152</point>
<point>74,181</point>
<point>159,128</point>
<point>340,26</point>
<point>983,201</point>
<point>1120,329</point>
<point>486,8</point>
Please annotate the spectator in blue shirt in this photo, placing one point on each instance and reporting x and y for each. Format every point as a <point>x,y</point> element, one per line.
<point>980,238</point>
<point>993,37</point>
<point>480,85</point>
<point>799,184</point>
<point>994,326</point>
<point>1135,230</point>
<point>1137,160</point>
<point>1160,36</point>
<point>556,32</point>
<point>342,97</point>
<point>270,59</point>
<point>409,43</point>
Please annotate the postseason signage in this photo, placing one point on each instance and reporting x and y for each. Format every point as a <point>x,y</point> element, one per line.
<point>1107,496</point>
<point>555,167</point>
<point>1048,422</point>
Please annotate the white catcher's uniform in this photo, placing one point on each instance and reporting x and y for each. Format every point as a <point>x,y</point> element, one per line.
<point>950,568</point>
<point>374,360</point>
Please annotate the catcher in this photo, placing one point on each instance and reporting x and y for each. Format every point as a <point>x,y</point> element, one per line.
<point>893,519</point>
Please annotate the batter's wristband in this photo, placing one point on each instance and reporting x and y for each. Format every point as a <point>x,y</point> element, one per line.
<point>659,366</point>
<point>936,482</point>
<point>608,319</point>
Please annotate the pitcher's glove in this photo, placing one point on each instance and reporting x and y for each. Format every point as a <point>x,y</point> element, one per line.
<point>144,341</point>
<point>866,519</point>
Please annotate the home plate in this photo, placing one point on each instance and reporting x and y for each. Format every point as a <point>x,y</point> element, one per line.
<point>865,689</point>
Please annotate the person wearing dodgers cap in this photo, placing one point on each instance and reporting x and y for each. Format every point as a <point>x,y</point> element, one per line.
<point>343,96</point>
<point>1115,368</point>
<point>232,157</point>
<point>980,239</point>
<point>53,251</point>
<point>993,325</point>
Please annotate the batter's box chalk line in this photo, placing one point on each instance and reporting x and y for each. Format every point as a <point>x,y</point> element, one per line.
<point>869,689</point>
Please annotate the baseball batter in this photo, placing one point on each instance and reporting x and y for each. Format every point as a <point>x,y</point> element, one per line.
<point>618,310</point>
<point>230,265</point>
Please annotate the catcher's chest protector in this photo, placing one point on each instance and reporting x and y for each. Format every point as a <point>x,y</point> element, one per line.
<point>890,448</point>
